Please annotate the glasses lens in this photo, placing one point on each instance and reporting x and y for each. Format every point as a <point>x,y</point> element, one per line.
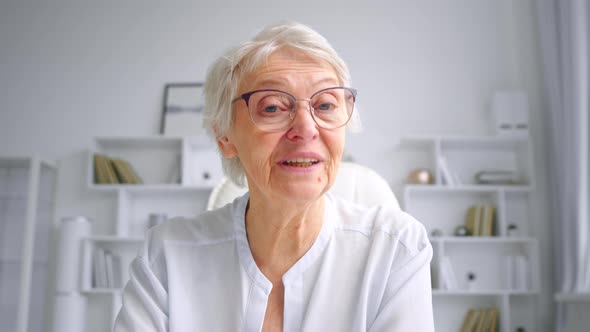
<point>332,108</point>
<point>270,110</point>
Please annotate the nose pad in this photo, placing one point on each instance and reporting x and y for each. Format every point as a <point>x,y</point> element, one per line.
<point>294,110</point>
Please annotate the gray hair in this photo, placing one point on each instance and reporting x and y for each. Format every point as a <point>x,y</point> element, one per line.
<point>225,74</point>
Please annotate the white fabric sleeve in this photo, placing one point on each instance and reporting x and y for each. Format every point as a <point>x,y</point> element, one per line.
<point>407,302</point>
<point>145,300</point>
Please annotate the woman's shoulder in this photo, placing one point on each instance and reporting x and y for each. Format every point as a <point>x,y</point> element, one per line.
<point>391,222</point>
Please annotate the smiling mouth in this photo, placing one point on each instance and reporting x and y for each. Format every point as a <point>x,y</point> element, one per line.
<point>303,162</point>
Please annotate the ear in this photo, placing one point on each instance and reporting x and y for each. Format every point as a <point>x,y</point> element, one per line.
<point>227,148</point>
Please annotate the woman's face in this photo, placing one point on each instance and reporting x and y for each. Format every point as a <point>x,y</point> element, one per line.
<point>299,163</point>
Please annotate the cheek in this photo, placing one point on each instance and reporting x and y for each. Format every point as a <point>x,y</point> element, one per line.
<point>256,152</point>
<point>335,145</point>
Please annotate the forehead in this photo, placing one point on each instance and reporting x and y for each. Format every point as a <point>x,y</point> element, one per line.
<point>288,68</point>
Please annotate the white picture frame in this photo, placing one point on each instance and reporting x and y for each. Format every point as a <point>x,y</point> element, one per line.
<point>182,113</point>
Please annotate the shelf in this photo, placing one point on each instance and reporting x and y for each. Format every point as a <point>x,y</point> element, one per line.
<point>468,188</point>
<point>22,161</point>
<point>24,198</point>
<point>491,292</point>
<point>19,260</point>
<point>149,188</point>
<point>127,142</point>
<point>115,239</point>
<point>572,297</point>
<point>26,204</point>
<point>466,141</point>
<point>102,291</point>
<point>482,239</point>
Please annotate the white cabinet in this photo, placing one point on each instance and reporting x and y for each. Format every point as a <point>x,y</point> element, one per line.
<point>499,270</point>
<point>26,208</point>
<point>178,174</point>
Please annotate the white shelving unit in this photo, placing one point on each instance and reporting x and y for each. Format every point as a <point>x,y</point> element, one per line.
<point>178,175</point>
<point>27,187</point>
<point>442,207</point>
<point>578,309</point>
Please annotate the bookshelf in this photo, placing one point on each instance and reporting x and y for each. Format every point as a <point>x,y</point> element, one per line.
<point>27,187</point>
<point>470,272</point>
<point>577,308</point>
<point>177,173</point>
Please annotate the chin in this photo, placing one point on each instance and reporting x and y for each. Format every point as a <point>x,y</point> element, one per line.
<point>304,191</point>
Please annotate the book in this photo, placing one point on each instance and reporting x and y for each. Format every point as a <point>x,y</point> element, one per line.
<point>470,320</point>
<point>100,175</point>
<point>113,269</point>
<point>132,174</point>
<point>117,271</point>
<point>477,223</point>
<point>125,172</point>
<point>95,269</point>
<point>488,220</point>
<point>174,175</point>
<point>103,170</point>
<point>108,259</point>
<point>100,274</point>
<point>509,271</point>
<point>497,177</point>
<point>481,322</point>
<point>111,175</point>
<point>481,220</point>
<point>449,278</point>
<point>495,318</point>
<point>120,171</point>
<point>471,220</point>
<point>517,272</point>
<point>521,272</point>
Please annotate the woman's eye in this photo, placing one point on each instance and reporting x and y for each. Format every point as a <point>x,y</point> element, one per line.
<point>325,102</point>
<point>271,109</point>
<point>271,105</point>
<point>324,107</point>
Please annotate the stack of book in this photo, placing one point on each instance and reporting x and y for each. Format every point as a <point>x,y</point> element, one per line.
<point>113,171</point>
<point>496,177</point>
<point>481,320</point>
<point>448,277</point>
<point>517,272</point>
<point>481,220</point>
<point>106,270</point>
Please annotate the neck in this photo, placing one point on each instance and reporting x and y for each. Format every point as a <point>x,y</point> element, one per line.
<point>280,233</point>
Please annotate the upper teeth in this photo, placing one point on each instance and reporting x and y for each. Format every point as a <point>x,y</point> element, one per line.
<point>302,160</point>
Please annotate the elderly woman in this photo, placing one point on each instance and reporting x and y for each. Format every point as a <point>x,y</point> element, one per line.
<point>287,256</point>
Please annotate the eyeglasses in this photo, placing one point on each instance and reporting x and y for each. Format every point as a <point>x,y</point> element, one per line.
<point>273,110</point>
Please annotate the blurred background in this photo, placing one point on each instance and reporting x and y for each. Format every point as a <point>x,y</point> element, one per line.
<point>438,83</point>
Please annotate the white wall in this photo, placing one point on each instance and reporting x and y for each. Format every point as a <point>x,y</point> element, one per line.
<point>71,71</point>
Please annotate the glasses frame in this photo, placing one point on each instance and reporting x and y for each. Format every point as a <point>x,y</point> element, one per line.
<point>246,98</point>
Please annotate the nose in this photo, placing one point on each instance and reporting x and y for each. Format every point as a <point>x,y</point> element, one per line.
<point>303,126</point>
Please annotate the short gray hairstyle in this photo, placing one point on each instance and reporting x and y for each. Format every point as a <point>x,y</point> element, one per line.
<point>225,74</point>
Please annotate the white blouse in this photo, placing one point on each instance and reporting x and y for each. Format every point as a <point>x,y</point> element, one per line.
<point>368,270</point>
